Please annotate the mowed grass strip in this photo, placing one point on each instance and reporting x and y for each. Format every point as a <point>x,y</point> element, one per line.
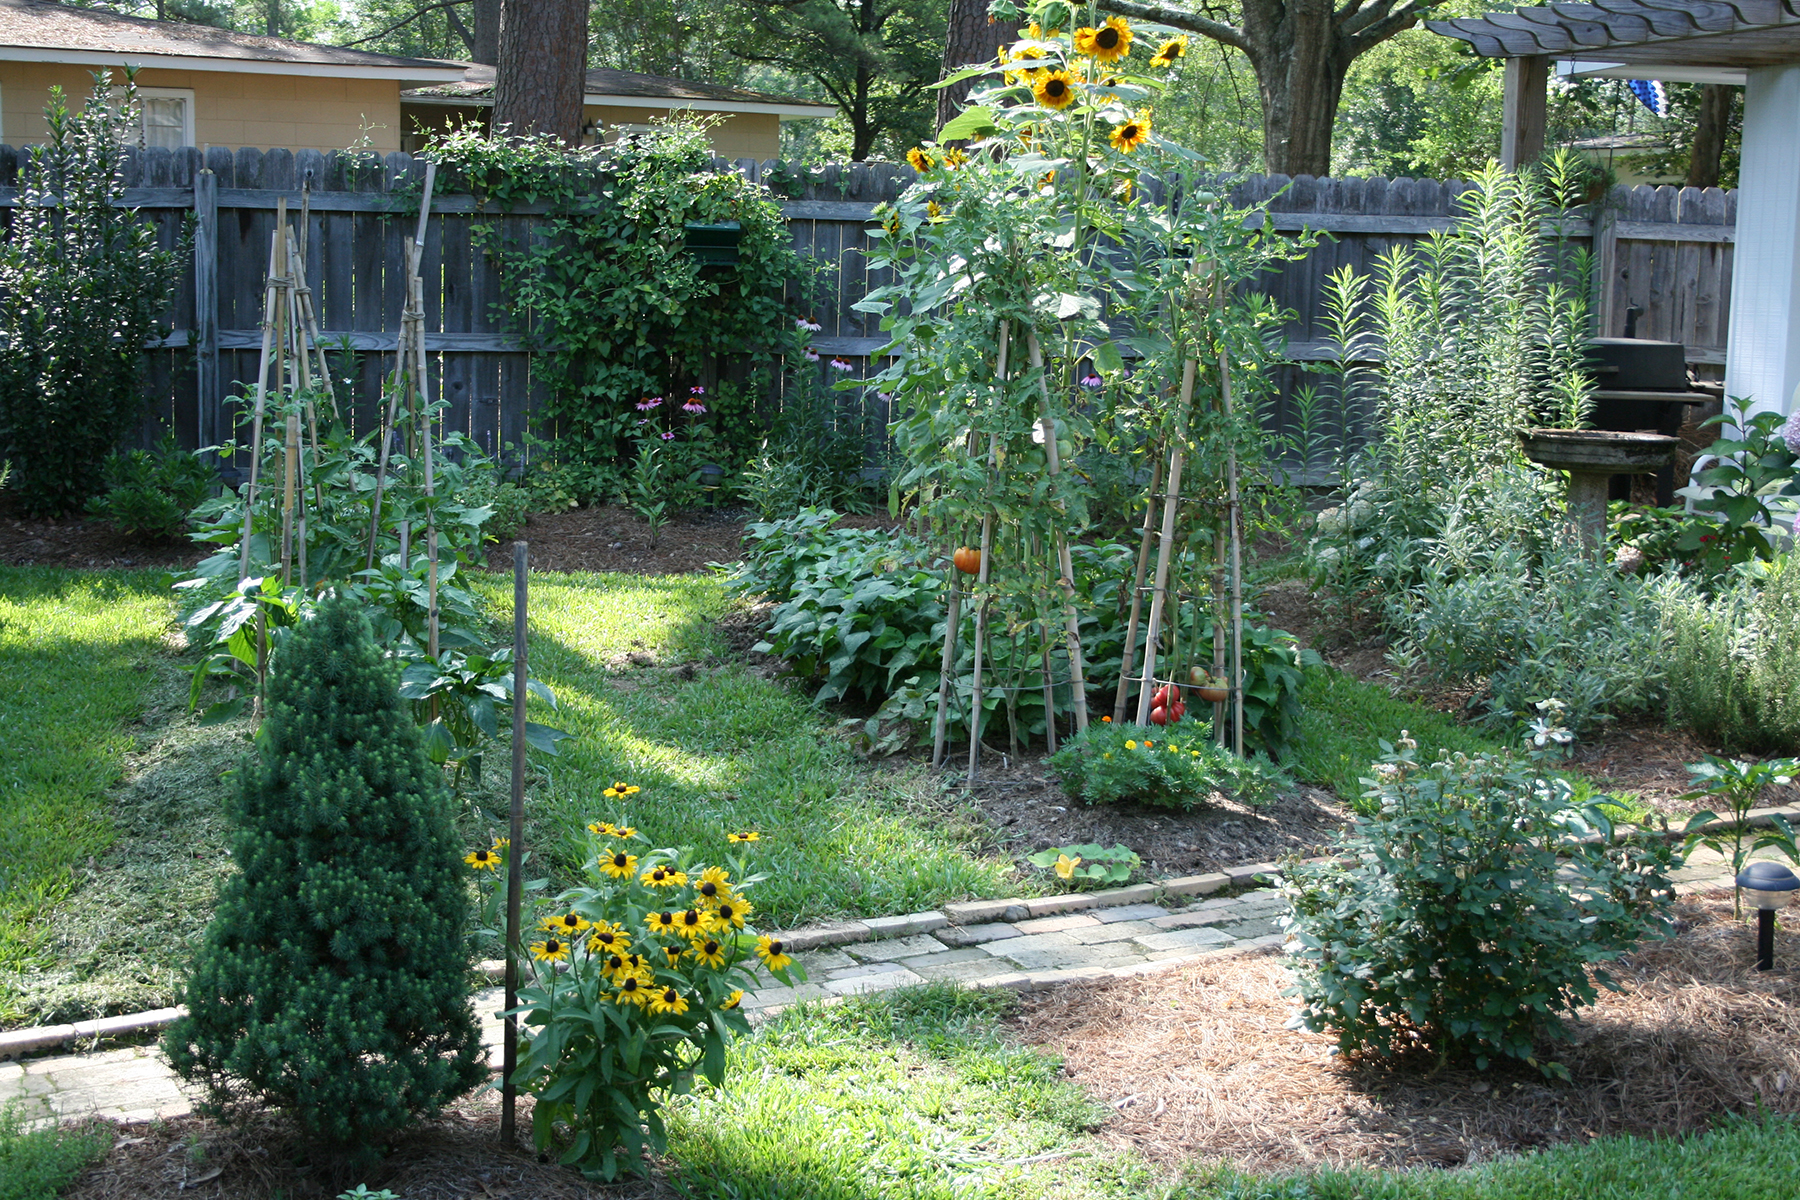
<point>77,664</point>
<point>718,749</point>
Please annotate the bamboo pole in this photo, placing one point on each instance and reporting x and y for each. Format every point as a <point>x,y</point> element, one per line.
<point>1166,546</point>
<point>1137,589</point>
<point>416,298</point>
<point>515,879</point>
<point>1236,534</point>
<point>1045,648</point>
<point>981,578</point>
<point>1218,625</point>
<point>262,394</point>
<point>1066,565</point>
<point>952,618</point>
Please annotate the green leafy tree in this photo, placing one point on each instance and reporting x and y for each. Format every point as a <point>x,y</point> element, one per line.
<point>82,283</point>
<point>333,979</point>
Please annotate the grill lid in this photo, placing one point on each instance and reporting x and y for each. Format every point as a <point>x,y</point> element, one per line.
<point>1638,365</point>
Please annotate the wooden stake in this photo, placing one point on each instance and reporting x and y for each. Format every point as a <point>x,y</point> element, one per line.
<point>515,880</point>
<point>1137,589</point>
<point>1072,619</point>
<point>1166,548</point>
<point>416,301</point>
<point>981,578</point>
<point>262,391</point>
<point>1235,532</point>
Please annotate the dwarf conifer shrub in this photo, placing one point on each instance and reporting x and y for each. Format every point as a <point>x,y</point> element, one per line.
<point>333,979</point>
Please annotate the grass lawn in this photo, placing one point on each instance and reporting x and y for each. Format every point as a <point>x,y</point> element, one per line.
<point>79,659</point>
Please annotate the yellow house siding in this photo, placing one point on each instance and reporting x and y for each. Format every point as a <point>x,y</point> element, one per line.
<point>295,112</point>
<point>740,135</point>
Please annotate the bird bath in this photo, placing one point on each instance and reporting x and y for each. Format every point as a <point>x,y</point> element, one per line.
<point>1592,457</point>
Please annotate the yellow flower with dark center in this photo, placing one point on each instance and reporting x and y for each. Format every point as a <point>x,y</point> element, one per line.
<point>1054,89</point>
<point>550,950</point>
<point>600,827</point>
<point>1169,51</point>
<point>933,211</point>
<point>632,990</point>
<point>749,836</point>
<point>663,923</point>
<point>614,965</point>
<point>731,912</point>
<point>566,924</point>
<point>919,160</point>
<point>668,1000</point>
<point>953,157</point>
<point>501,845</point>
<point>609,939</point>
<point>619,864</point>
<point>624,831</point>
<point>1065,866</point>
<point>621,789</point>
<point>716,875</point>
<point>662,877</point>
<point>1129,135</point>
<point>482,860</point>
<point>674,954</point>
<point>769,950</point>
<point>736,998</point>
<point>695,922</point>
<point>709,952</point>
<point>1109,43</point>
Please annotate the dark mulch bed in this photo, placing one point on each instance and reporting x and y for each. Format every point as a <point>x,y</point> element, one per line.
<point>89,544</point>
<point>1199,1064</point>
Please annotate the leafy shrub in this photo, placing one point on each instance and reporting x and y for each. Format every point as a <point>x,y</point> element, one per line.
<point>82,283</point>
<point>1755,473</point>
<point>333,981</point>
<point>636,990</point>
<point>1734,660</point>
<point>1178,766</point>
<point>153,493</point>
<point>1463,914</point>
<point>37,1164</point>
<point>1088,863</point>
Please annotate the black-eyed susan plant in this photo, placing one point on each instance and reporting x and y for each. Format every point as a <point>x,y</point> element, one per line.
<point>636,985</point>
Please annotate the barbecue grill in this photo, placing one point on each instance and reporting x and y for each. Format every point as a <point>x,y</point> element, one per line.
<point>1643,388</point>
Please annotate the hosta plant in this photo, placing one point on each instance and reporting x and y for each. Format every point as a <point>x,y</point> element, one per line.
<point>637,982</point>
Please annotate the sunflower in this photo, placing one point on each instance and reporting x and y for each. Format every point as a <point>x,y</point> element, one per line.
<point>736,998</point>
<point>662,877</point>
<point>933,211</point>
<point>1107,44</point>
<point>1054,89</point>
<point>632,990</point>
<point>663,923</point>
<point>619,864</point>
<point>696,922</point>
<point>749,836</point>
<point>709,952</point>
<point>668,1001</point>
<point>1131,134</point>
<point>731,912</point>
<point>1169,51</point>
<point>919,160</point>
<point>482,860</point>
<point>609,939</point>
<point>550,950</point>
<point>769,950</point>
<point>565,924</point>
<point>953,157</point>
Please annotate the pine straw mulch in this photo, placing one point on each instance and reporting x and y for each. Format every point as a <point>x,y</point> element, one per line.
<point>458,1156</point>
<point>1198,1064</point>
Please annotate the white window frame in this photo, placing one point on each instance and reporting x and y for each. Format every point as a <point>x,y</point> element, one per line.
<point>169,93</point>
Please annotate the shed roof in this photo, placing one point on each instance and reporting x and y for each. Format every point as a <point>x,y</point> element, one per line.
<point>40,31</point>
<point>1702,35</point>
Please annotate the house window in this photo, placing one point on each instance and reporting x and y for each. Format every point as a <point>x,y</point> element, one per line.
<point>168,117</point>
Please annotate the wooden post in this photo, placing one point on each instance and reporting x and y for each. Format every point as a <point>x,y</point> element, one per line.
<point>1234,530</point>
<point>262,391</point>
<point>981,578</point>
<point>1137,589</point>
<point>416,329</point>
<point>1166,545</point>
<point>206,307</point>
<point>515,880</point>
<point>1524,106</point>
<point>1065,564</point>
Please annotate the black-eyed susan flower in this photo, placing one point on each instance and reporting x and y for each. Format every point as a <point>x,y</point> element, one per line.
<point>502,845</point>
<point>748,836</point>
<point>603,828</point>
<point>609,939</point>
<point>1108,43</point>
<point>736,998</point>
<point>565,924</point>
<point>731,912</point>
<point>632,990</point>
<point>662,877</point>
<point>714,886</point>
<point>673,953</point>
<point>1129,135</point>
<point>619,864</point>
<point>769,950</point>
<point>695,922</point>
<point>667,1000</point>
<point>1054,89</point>
<point>709,951</point>
<point>482,860</point>
<point>614,965</point>
<point>1169,51</point>
<point>663,923</point>
<point>551,949</point>
<point>919,160</point>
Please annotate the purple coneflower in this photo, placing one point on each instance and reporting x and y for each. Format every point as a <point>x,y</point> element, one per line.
<point>693,406</point>
<point>1092,381</point>
<point>648,403</point>
<point>838,364</point>
<point>812,355</point>
<point>668,437</point>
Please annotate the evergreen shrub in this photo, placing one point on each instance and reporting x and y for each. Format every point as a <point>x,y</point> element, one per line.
<point>333,981</point>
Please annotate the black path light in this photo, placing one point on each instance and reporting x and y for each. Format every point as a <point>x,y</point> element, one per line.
<point>1769,886</point>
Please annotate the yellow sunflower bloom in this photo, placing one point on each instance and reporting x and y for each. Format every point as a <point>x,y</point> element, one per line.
<point>1054,89</point>
<point>953,157</point>
<point>482,860</point>
<point>619,864</point>
<point>748,836</point>
<point>1169,51</point>
<point>696,922</point>
<point>1131,134</point>
<point>662,877</point>
<point>709,952</point>
<point>1065,866</point>
<point>632,990</point>
<point>668,1000</point>
<point>550,950</point>
<point>919,160</point>
<point>731,912</point>
<point>1108,44</point>
<point>732,1001</point>
<point>769,950</point>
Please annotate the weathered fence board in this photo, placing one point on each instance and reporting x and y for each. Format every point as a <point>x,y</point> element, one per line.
<point>1665,251</point>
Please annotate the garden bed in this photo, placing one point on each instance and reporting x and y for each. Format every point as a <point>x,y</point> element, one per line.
<point>1199,1064</point>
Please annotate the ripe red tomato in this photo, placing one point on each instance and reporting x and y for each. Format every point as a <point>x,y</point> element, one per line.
<point>1159,715</point>
<point>968,560</point>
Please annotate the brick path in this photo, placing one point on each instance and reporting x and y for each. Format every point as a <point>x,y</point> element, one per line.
<point>1020,944</point>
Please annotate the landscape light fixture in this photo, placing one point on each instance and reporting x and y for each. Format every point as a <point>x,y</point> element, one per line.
<point>1769,886</point>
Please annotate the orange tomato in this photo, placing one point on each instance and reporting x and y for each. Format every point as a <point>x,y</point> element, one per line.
<point>968,560</point>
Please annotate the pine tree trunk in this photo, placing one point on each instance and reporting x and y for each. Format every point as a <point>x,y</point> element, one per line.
<point>542,71</point>
<point>973,38</point>
<point>1708,146</point>
<point>487,32</point>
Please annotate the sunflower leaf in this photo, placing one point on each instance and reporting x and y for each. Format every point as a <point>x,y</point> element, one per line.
<point>969,123</point>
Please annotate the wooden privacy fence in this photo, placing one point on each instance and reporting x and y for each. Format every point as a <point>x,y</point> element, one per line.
<point>1666,251</point>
